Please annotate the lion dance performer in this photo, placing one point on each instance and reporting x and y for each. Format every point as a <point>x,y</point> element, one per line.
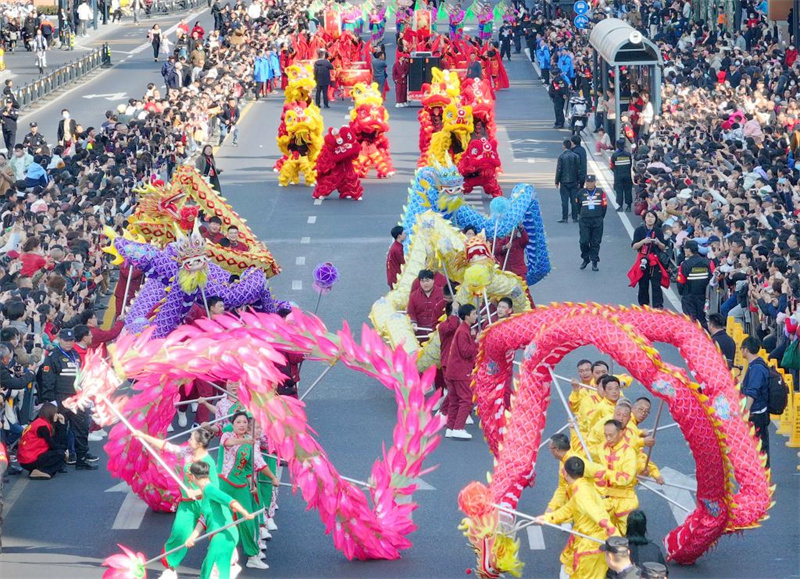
<point>369,122</point>
<point>335,169</point>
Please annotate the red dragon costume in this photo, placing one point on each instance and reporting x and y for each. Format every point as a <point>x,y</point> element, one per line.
<point>479,166</point>
<point>335,170</point>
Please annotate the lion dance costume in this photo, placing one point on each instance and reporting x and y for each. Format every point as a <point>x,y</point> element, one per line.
<point>369,122</point>
<point>335,166</point>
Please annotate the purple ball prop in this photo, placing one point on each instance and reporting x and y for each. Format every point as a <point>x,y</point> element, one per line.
<point>325,275</point>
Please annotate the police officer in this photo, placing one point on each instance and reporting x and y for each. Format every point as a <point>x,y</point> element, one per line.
<point>559,91</point>
<point>593,204</point>
<point>567,178</point>
<point>34,141</point>
<point>621,165</point>
<point>8,117</point>
<point>694,275</point>
<point>59,372</point>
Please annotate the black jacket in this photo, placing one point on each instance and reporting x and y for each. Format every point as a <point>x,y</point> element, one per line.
<point>592,203</point>
<point>568,168</point>
<point>726,345</point>
<point>9,117</point>
<point>59,372</point>
<point>581,152</point>
<point>694,275</point>
<point>322,71</point>
<point>34,142</point>
<point>621,165</point>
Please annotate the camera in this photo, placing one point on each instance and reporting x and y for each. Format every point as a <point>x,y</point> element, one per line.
<point>643,263</point>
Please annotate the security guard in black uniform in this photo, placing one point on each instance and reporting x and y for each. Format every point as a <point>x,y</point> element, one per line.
<point>621,165</point>
<point>694,275</point>
<point>59,372</point>
<point>593,204</point>
<point>34,141</point>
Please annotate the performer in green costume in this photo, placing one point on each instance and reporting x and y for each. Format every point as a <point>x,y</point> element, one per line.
<point>188,512</point>
<point>216,507</point>
<point>239,467</point>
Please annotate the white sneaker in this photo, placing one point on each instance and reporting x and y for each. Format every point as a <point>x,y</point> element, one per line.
<point>470,420</point>
<point>448,433</point>
<point>168,574</point>
<point>256,563</point>
<point>262,544</point>
<point>95,437</point>
<point>194,407</point>
<point>182,421</point>
<point>271,525</point>
<point>460,434</point>
<point>398,105</point>
<point>265,534</point>
<point>236,569</point>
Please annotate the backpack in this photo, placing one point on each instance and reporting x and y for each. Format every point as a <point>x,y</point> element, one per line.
<point>778,393</point>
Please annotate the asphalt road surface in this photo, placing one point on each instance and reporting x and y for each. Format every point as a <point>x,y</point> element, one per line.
<point>66,527</point>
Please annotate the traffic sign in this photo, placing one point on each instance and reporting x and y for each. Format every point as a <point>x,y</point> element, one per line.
<point>581,7</point>
<point>581,21</point>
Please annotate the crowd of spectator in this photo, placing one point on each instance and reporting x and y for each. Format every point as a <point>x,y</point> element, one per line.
<point>717,163</point>
<point>55,198</point>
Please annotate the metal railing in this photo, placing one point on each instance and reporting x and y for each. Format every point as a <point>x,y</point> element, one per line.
<point>62,76</point>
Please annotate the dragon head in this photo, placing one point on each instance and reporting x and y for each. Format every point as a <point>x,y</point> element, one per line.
<point>191,254</point>
<point>366,94</point>
<point>477,248</point>
<point>447,184</point>
<point>342,144</point>
<point>370,118</point>
<point>479,155</point>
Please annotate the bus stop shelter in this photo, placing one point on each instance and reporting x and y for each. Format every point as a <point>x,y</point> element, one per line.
<point>617,44</point>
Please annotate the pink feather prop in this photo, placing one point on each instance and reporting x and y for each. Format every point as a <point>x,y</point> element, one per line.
<point>246,350</point>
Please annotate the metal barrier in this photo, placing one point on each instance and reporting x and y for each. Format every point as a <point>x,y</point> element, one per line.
<point>62,76</point>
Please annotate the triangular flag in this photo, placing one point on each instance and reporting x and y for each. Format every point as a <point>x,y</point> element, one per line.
<point>442,13</point>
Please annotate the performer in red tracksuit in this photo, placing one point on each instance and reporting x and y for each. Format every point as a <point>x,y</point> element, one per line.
<point>447,330</point>
<point>425,305</point>
<point>460,360</point>
<point>516,253</point>
<point>395,259</point>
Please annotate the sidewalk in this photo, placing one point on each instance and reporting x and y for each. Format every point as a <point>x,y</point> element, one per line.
<point>21,64</point>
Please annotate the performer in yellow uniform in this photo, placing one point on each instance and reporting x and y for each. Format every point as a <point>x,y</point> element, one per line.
<point>585,508</point>
<point>630,434</point>
<point>596,406</point>
<point>578,386</point>
<point>560,448</point>
<point>615,473</point>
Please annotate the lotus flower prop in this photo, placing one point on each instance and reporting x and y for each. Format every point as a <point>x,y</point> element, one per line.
<point>247,349</point>
<point>325,276</point>
<point>125,565</point>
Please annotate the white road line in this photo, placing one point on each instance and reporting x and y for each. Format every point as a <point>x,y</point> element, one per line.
<point>300,261</point>
<point>535,538</point>
<point>297,284</point>
<point>312,219</point>
<point>317,201</point>
<point>131,513</point>
<point>305,240</point>
<point>680,496</point>
<point>14,494</point>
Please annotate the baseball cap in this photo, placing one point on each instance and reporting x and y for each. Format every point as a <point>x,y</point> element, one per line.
<point>654,571</point>
<point>67,335</point>
<point>590,177</point>
<point>615,545</point>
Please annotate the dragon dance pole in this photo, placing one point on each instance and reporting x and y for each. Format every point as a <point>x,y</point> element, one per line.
<point>655,430</point>
<point>559,527</point>
<point>317,381</point>
<point>547,440</point>
<point>571,415</point>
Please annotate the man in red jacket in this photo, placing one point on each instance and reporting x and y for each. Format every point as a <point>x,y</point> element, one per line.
<point>425,305</point>
<point>99,335</point>
<point>460,360</point>
<point>395,259</point>
<point>447,330</point>
<point>514,247</point>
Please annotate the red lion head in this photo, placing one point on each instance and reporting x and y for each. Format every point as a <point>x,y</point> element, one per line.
<point>370,119</point>
<point>481,154</point>
<point>341,144</point>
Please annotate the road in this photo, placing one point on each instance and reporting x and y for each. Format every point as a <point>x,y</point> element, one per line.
<point>67,526</point>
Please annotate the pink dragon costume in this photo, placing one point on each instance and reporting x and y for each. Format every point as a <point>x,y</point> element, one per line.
<point>733,485</point>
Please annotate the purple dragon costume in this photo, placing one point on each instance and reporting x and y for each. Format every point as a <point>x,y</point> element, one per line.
<point>180,276</point>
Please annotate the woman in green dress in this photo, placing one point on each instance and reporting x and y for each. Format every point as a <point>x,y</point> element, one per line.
<point>216,507</point>
<point>237,478</point>
<point>188,512</point>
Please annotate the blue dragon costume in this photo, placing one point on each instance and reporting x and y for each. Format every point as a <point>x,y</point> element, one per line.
<point>440,187</point>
